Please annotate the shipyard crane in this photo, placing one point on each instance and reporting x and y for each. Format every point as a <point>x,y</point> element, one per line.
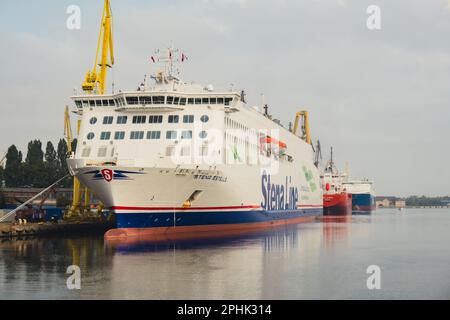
<point>317,154</point>
<point>77,208</point>
<point>95,81</point>
<point>302,118</point>
<point>2,159</point>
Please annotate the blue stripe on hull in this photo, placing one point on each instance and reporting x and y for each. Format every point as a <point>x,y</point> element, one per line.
<point>166,219</point>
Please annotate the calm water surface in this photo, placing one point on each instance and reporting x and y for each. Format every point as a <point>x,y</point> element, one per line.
<point>320,260</point>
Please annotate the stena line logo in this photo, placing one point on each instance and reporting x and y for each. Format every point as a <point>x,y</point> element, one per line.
<point>278,196</point>
<point>107,174</point>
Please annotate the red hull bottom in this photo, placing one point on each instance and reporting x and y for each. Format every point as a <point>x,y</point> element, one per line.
<point>131,235</point>
<point>337,204</point>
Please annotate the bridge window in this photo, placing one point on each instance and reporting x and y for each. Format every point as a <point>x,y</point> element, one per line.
<point>174,119</point>
<point>158,100</point>
<point>182,101</point>
<point>227,101</point>
<point>137,135</point>
<point>190,101</point>
<point>219,100</point>
<point>171,135</point>
<point>122,119</point>
<point>108,120</point>
<point>188,119</point>
<point>145,100</point>
<point>186,134</point>
<point>205,101</point>
<point>176,101</point>
<point>139,119</point>
<point>198,100</point>
<point>155,119</point>
<point>153,135</point>
<point>119,135</point>
<point>132,100</point>
<point>213,100</point>
<point>169,100</point>
<point>105,135</point>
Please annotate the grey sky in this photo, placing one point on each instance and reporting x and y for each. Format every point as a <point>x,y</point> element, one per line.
<point>381,98</point>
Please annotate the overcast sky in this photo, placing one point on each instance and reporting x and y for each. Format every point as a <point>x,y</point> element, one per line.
<point>380,97</point>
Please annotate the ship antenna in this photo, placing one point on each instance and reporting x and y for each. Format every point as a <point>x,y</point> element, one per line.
<point>243,94</point>
<point>331,160</point>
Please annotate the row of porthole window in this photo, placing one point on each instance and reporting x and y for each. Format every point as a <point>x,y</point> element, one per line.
<point>151,119</point>
<point>151,135</point>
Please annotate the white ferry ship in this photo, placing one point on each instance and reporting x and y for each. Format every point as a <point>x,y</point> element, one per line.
<point>180,157</point>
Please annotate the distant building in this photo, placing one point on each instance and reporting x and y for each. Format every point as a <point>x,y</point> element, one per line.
<point>390,202</point>
<point>399,204</point>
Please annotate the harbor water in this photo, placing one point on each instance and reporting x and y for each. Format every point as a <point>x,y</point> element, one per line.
<point>326,259</point>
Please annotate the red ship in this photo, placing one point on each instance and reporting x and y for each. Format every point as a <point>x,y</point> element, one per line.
<point>338,204</point>
<point>336,200</point>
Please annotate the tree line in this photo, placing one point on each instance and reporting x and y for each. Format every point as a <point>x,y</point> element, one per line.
<point>423,201</point>
<point>39,169</point>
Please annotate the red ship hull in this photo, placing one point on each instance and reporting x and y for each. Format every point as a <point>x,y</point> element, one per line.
<point>339,204</point>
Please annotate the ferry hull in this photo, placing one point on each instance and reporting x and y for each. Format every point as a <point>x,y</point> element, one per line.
<point>363,202</point>
<point>337,204</point>
<point>141,225</point>
<point>151,200</point>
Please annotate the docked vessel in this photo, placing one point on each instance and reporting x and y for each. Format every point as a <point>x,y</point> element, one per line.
<point>363,196</point>
<point>175,157</point>
<point>336,200</point>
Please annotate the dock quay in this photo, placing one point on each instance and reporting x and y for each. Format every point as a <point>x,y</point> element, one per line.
<point>10,230</point>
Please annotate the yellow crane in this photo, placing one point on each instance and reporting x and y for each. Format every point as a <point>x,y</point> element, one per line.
<point>78,208</point>
<point>95,81</point>
<point>302,118</point>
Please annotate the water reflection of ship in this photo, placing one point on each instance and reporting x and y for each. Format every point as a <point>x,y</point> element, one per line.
<point>335,229</point>
<point>281,239</point>
<point>276,238</point>
<point>50,255</point>
<point>294,253</point>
